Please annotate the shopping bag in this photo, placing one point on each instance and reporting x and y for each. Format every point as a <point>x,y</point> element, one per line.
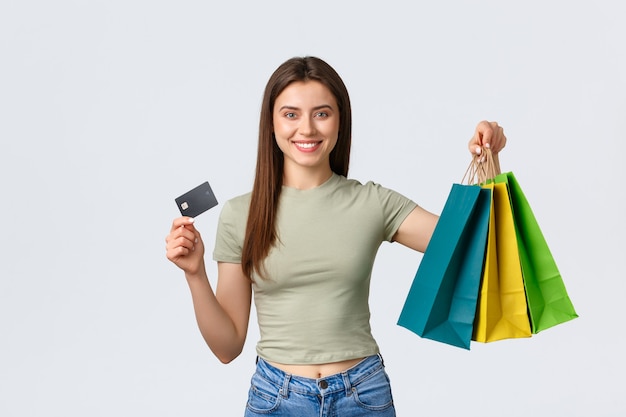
<point>547,298</point>
<point>441,303</point>
<point>502,312</point>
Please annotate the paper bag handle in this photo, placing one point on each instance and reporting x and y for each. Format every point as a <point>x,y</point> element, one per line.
<point>481,169</point>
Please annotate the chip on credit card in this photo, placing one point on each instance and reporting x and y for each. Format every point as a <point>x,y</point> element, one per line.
<point>196,201</point>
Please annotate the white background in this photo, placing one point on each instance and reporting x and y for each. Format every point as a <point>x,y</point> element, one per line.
<point>110,109</point>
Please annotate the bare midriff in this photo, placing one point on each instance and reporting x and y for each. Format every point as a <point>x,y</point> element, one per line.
<point>317,370</point>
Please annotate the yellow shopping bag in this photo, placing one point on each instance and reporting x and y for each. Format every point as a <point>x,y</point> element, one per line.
<point>502,311</point>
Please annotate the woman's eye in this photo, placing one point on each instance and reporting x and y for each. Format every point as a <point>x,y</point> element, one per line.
<point>290,115</point>
<point>322,114</point>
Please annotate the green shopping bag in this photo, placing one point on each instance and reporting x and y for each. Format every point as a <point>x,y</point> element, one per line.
<point>441,304</point>
<point>548,301</point>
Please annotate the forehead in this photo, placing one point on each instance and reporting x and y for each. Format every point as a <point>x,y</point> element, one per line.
<point>303,94</point>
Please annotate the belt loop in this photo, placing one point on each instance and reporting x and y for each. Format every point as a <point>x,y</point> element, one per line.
<point>346,383</point>
<point>284,391</point>
<point>382,361</point>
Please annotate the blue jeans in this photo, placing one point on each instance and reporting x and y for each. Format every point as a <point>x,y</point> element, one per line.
<point>362,390</point>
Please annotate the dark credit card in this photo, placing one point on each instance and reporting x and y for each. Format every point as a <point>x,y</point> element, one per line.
<point>196,201</point>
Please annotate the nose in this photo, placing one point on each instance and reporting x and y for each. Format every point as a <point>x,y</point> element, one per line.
<point>307,126</point>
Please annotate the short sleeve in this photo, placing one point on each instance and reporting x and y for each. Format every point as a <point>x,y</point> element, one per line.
<point>395,207</point>
<point>231,229</point>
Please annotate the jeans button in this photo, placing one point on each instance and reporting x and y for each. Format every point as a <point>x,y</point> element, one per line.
<point>323,384</point>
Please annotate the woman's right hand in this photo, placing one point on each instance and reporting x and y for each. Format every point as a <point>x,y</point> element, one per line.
<point>184,246</point>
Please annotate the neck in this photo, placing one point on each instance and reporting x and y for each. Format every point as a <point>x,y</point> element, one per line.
<point>305,179</point>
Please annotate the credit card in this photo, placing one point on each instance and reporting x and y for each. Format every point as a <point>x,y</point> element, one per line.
<point>196,201</point>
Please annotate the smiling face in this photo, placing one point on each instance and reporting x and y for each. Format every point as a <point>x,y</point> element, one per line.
<point>306,127</point>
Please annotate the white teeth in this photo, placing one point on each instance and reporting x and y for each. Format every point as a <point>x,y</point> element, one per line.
<point>306,145</point>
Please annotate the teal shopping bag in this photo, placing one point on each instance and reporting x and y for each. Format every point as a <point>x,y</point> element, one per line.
<point>441,304</point>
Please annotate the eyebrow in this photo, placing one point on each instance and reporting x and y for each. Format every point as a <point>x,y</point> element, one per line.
<point>323,106</point>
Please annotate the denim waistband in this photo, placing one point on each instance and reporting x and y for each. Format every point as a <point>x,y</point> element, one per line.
<point>342,381</point>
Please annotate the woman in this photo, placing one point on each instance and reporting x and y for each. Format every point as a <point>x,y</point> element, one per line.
<point>304,242</point>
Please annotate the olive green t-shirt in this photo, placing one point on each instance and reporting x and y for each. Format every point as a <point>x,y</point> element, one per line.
<point>313,305</point>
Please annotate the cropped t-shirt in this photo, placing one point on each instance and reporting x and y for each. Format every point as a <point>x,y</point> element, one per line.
<point>312,307</point>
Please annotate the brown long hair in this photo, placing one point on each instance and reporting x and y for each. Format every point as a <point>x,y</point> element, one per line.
<point>261,231</point>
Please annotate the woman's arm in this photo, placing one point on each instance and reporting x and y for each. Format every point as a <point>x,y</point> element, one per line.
<point>222,316</point>
<point>416,230</point>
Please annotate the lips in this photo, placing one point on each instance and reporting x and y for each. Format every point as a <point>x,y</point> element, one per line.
<point>307,146</point>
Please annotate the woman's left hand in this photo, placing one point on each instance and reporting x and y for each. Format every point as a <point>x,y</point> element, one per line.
<point>489,135</point>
